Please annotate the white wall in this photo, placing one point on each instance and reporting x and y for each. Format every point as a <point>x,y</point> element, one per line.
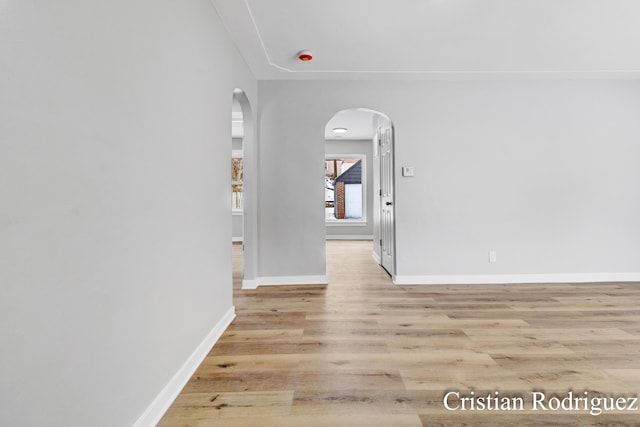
<point>291,230</point>
<point>236,144</point>
<point>543,172</point>
<point>115,220</point>
<point>236,226</point>
<point>350,147</point>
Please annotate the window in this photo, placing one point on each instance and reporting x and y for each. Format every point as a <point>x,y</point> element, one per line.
<point>236,181</point>
<point>344,189</point>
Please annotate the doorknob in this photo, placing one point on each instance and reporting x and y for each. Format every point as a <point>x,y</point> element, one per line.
<point>389,203</point>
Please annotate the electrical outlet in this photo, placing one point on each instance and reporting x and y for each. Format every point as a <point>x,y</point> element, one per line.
<point>493,256</point>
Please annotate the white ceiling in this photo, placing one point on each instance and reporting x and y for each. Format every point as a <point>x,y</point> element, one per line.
<point>355,39</point>
<point>358,122</point>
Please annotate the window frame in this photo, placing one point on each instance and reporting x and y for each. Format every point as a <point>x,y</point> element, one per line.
<point>349,222</point>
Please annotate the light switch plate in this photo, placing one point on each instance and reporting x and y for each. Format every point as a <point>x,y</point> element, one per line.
<point>407,171</point>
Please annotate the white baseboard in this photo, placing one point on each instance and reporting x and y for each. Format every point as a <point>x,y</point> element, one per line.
<point>154,412</point>
<point>249,284</point>
<point>293,280</point>
<point>376,258</point>
<point>349,237</point>
<point>285,280</point>
<point>515,278</point>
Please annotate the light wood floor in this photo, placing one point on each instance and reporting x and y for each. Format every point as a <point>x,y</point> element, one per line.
<point>363,352</point>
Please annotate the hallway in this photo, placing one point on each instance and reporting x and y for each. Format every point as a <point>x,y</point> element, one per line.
<point>363,352</point>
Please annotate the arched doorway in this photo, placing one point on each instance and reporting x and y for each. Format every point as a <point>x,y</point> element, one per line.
<point>359,170</point>
<point>244,184</point>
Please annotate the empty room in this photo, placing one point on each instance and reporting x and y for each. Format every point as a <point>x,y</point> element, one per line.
<point>336,213</point>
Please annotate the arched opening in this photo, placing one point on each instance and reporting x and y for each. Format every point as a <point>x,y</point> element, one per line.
<point>243,184</point>
<point>359,181</point>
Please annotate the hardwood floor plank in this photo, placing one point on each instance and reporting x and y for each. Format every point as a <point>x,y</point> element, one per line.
<point>525,420</point>
<point>327,420</point>
<point>242,381</point>
<point>556,334</point>
<point>268,335</point>
<point>232,404</point>
<point>345,379</point>
<point>363,401</point>
<point>444,321</point>
<point>265,321</point>
<point>323,344</point>
<point>431,360</point>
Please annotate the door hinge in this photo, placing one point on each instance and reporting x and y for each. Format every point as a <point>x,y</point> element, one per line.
<point>380,242</point>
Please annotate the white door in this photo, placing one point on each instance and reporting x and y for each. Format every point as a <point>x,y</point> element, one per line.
<point>387,225</point>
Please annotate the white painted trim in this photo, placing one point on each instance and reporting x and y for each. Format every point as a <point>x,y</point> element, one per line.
<point>345,223</point>
<point>239,212</point>
<point>236,239</point>
<point>293,280</point>
<point>154,412</point>
<point>349,237</point>
<point>249,284</point>
<point>376,257</point>
<point>515,278</point>
<point>284,280</point>
<point>363,221</point>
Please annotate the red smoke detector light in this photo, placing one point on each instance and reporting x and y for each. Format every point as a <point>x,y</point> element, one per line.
<point>305,56</point>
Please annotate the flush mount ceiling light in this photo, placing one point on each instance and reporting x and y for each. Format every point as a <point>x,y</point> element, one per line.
<point>305,56</point>
<point>340,131</point>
